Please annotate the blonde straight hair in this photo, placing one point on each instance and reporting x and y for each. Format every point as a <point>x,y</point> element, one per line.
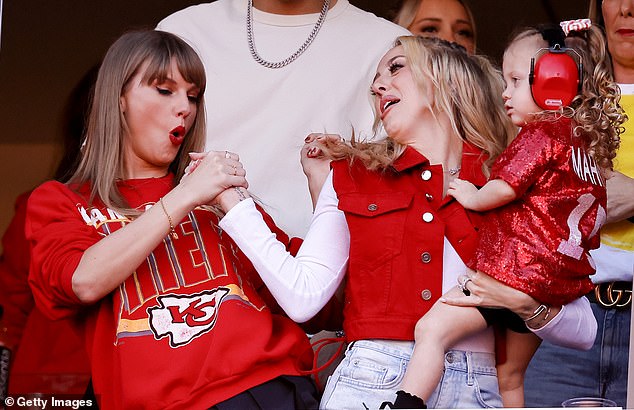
<point>102,157</point>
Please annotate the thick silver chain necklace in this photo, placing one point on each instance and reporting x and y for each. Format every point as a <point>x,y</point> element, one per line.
<point>293,57</point>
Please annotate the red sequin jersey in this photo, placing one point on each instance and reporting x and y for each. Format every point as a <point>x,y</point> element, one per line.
<point>540,242</point>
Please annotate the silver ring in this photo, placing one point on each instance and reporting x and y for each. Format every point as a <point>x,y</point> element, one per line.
<point>227,154</point>
<point>235,170</point>
<point>463,284</point>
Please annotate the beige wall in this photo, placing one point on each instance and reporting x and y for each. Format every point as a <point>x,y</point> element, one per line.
<point>23,167</point>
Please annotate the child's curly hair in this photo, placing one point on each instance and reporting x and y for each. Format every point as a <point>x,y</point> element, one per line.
<point>595,111</point>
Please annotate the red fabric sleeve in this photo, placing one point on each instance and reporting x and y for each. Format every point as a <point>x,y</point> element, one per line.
<point>526,157</point>
<point>330,317</point>
<point>16,297</point>
<point>58,237</point>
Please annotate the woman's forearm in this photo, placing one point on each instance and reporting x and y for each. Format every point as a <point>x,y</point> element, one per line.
<point>620,197</point>
<point>109,262</point>
<point>303,284</point>
<point>572,325</point>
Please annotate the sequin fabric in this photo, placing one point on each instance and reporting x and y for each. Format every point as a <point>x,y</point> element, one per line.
<point>540,242</point>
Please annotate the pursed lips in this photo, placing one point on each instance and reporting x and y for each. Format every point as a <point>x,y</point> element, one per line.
<point>177,135</point>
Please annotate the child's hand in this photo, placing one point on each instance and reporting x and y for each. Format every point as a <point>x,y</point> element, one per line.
<point>464,192</point>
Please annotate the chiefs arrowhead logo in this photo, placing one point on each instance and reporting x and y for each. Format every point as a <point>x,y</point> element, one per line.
<point>183,318</point>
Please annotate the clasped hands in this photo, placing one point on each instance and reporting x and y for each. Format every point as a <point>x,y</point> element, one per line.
<point>221,177</point>
<point>211,174</point>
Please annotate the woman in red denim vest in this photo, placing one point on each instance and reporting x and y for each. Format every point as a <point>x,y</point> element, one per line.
<point>383,223</point>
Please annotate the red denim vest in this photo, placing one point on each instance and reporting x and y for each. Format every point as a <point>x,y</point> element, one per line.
<point>398,220</point>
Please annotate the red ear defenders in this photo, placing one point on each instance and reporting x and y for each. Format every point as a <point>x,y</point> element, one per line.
<point>556,72</point>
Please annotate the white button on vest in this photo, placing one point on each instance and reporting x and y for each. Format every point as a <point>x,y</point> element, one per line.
<point>426,175</point>
<point>428,217</point>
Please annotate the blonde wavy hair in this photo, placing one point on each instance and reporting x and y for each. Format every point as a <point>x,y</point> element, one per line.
<point>465,87</point>
<point>101,161</point>
<point>598,118</point>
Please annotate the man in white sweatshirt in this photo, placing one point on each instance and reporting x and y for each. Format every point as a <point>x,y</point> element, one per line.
<point>276,72</point>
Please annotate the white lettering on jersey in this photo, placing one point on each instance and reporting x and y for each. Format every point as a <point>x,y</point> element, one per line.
<point>572,246</point>
<point>585,167</point>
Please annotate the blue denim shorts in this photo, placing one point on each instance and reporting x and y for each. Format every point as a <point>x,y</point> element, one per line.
<point>599,372</point>
<point>372,370</point>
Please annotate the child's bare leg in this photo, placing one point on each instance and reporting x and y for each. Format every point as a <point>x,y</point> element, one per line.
<point>520,348</point>
<point>435,333</point>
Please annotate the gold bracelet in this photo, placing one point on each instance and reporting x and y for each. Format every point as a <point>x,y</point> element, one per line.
<point>172,232</point>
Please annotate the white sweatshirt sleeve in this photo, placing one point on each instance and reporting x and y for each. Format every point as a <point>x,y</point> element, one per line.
<point>574,326</point>
<point>303,284</point>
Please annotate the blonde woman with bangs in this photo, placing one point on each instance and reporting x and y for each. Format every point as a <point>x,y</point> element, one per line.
<point>131,251</point>
<point>385,227</point>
